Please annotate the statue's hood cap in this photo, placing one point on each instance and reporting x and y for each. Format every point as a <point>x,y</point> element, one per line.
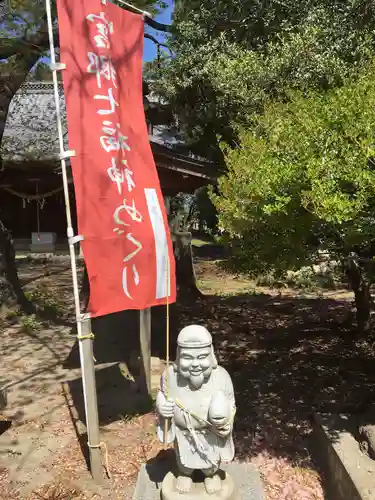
<point>194,336</point>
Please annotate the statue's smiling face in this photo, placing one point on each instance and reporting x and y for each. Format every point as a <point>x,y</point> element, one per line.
<point>196,365</point>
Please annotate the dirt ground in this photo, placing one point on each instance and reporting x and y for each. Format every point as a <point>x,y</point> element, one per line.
<point>288,354</point>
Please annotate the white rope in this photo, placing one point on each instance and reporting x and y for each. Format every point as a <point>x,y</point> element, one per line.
<point>70,232</point>
<point>30,197</point>
<point>133,7</point>
<point>199,443</point>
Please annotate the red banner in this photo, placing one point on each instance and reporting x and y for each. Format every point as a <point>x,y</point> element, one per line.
<point>120,207</point>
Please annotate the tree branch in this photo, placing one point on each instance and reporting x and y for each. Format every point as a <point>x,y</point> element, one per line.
<point>39,42</point>
<point>166,28</point>
<point>156,42</point>
<point>36,43</point>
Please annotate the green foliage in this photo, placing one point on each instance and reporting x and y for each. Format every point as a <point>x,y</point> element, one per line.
<point>252,23</point>
<point>46,298</point>
<point>230,57</point>
<point>20,17</point>
<point>12,313</point>
<point>307,279</point>
<point>23,23</point>
<point>19,38</point>
<point>30,324</point>
<point>303,179</point>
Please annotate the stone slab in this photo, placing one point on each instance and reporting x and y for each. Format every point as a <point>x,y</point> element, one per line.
<point>151,475</point>
<point>198,491</point>
<point>350,473</point>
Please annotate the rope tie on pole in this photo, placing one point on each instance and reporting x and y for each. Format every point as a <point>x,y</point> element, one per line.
<point>55,66</point>
<point>102,446</point>
<point>90,336</point>
<point>75,239</point>
<point>67,154</point>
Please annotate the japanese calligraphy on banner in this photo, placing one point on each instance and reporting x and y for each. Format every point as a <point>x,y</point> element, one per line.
<point>120,208</point>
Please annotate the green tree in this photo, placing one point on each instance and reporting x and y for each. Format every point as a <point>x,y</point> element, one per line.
<point>23,42</point>
<point>302,181</point>
<point>230,57</point>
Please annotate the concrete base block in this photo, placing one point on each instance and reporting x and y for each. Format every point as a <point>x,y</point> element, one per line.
<point>246,481</point>
<point>350,473</point>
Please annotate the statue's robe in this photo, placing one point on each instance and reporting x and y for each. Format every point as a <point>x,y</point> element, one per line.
<point>186,431</point>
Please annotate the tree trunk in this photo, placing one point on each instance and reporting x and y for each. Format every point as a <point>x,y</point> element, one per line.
<point>185,275</point>
<point>10,287</point>
<point>13,74</point>
<point>362,295</point>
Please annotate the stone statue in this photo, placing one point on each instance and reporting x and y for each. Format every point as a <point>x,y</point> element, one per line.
<point>196,405</point>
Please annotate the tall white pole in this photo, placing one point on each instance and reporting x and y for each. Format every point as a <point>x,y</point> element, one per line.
<point>84,335</point>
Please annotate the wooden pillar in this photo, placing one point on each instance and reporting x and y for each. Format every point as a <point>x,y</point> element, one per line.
<point>185,273</point>
<point>145,343</point>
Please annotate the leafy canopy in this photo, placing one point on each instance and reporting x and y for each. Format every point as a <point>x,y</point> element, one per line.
<point>303,178</point>
<point>231,57</point>
<point>23,30</point>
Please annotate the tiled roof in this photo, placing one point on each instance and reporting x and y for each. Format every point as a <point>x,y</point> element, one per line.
<point>31,130</point>
<point>31,141</point>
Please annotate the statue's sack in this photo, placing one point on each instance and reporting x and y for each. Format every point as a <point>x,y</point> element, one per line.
<point>220,408</point>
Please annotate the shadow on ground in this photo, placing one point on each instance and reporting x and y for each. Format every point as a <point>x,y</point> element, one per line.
<point>118,397</point>
<point>288,358</point>
<point>117,336</point>
<point>209,251</point>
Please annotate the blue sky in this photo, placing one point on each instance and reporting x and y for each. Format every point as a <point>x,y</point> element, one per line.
<point>149,47</point>
<point>165,17</point>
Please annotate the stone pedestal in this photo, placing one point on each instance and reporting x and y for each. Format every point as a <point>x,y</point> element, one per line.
<point>198,491</point>
<point>156,481</point>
